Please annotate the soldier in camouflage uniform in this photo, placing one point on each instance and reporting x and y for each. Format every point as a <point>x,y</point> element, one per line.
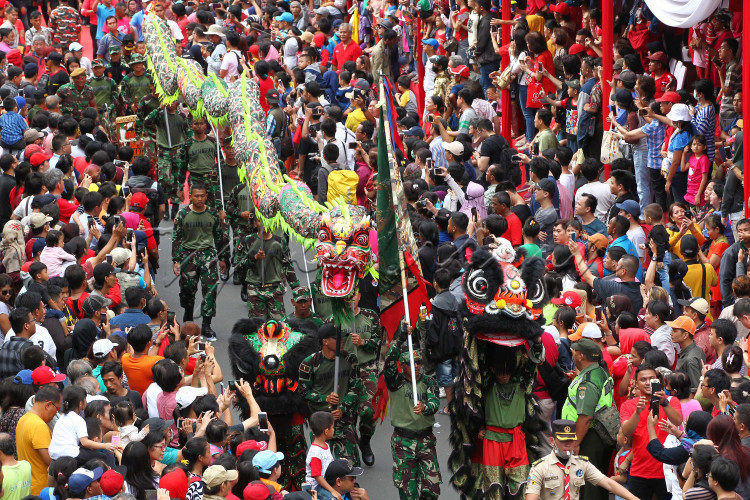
<point>135,85</point>
<point>106,94</point>
<point>240,216</point>
<point>170,152</point>
<point>301,301</point>
<point>363,339</point>
<point>316,375</point>
<point>268,264</point>
<point>76,95</point>
<point>147,134</point>
<point>65,22</point>
<point>117,69</point>
<point>199,239</point>
<point>201,153</point>
<point>416,472</point>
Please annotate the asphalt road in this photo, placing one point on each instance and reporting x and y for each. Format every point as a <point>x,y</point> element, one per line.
<point>377,480</point>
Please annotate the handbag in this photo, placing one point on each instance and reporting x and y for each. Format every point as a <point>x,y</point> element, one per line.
<point>610,148</point>
<point>505,78</point>
<point>534,94</point>
<point>606,423</point>
<point>451,45</point>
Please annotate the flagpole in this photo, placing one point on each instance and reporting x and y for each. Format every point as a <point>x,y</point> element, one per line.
<point>307,277</point>
<point>402,265</point>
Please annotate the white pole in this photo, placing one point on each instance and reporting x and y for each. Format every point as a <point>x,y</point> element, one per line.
<point>218,160</point>
<point>307,277</point>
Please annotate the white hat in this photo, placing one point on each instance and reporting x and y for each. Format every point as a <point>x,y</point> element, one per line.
<point>120,256</point>
<point>187,394</point>
<point>679,112</point>
<point>215,29</point>
<point>75,47</point>
<point>102,347</point>
<point>454,147</point>
<point>591,331</point>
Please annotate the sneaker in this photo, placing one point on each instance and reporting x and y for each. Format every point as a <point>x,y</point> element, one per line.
<point>210,337</point>
<point>208,333</point>
<point>442,393</point>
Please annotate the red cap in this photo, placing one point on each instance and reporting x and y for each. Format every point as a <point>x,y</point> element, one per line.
<point>319,40</point>
<point>256,491</point>
<point>111,482</point>
<point>251,445</point>
<point>576,48</point>
<point>658,56</point>
<point>672,97</point>
<point>139,200</point>
<point>560,8</point>
<point>461,70</point>
<point>37,159</point>
<point>44,375</point>
<point>254,50</point>
<point>569,298</point>
<point>176,483</point>
<point>31,149</point>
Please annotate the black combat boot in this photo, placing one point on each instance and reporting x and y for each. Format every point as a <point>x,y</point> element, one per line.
<point>368,457</point>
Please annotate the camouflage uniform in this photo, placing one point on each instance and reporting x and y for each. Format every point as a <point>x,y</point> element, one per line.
<point>367,326</point>
<point>302,293</point>
<point>198,241</point>
<point>134,88</point>
<point>196,155</point>
<point>74,101</point>
<point>106,94</point>
<point>170,157</point>
<point>65,23</point>
<point>416,472</point>
<point>146,134</point>
<point>316,381</point>
<point>238,201</point>
<point>265,289</point>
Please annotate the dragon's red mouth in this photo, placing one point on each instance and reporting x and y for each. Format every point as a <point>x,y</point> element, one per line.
<point>338,277</point>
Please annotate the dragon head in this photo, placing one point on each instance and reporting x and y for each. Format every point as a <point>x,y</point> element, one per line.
<point>343,250</point>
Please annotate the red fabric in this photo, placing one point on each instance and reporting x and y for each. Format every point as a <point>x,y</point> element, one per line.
<point>644,465</point>
<point>514,234</point>
<point>662,83</point>
<point>507,455</point>
<point>67,209</point>
<point>80,164</point>
<point>545,59</point>
<point>550,355</point>
<point>264,86</point>
<point>420,74</point>
<point>316,467</point>
<point>15,196</point>
<point>390,318</point>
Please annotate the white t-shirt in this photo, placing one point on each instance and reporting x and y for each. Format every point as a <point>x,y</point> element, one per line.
<point>152,393</point>
<point>230,63</point>
<point>42,338</point>
<point>569,181</point>
<point>638,237</point>
<point>291,47</point>
<point>603,195</point>
<point>320,455</point>
<point>69,430</point>
<point>24,208</point>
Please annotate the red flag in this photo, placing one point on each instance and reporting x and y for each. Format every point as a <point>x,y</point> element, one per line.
<point>390,317</point>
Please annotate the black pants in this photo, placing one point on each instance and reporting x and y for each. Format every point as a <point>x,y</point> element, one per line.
<point>599,455</point>
<point>658,183</point>
<point>94,42</point>
<point>648,488</point>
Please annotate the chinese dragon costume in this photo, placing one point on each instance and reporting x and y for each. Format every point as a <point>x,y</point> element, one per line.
<point>268,355</point>
<point>502,328</point>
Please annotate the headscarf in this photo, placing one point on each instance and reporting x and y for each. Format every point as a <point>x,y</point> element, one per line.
<point>84,335</point>
<point>13,246</point>
<point>474,199</point>
<point>629,336</point>
<point>695,429</point>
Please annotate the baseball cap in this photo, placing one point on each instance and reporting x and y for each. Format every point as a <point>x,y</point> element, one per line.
<point>548,185</point>
<point>698,303</point>
<point>670,96</point>
<point>175,482</point>
<point>23,377</point>
<point>387,24</point>
<point>128,40</point>
<point>301,292</point>
<point>630,206</point>
<point>576,48</point>
<point>679,112</point>
<point>569,298</point>
<point>414,132</point>
<point>101,271</point>
<point>251,445</point>
<point>31,149</point>
<point>111,482</point>
<point>38,158</point>
<point>286,17</point>
<point>307,37</point>
<point>43,375</point>
<point>658,56</point>
<point>322,11</point>
<point>454,147</point>
<point>689,245</point>
<point>266,460</point>
<point>431,42</point>
<point>560,8</point>
<point>120,256</point>
<point>115,49</point>
<point>38,219</point>
<point>623,96</point>
<point>319,40</point>
<point>255,491</point>
<point>461,70</point>
<point>93,303</point>
<point>627,76</point>
<point>102,347</point>
<point>588,347</point>
<point>404,356</point>
<point>217,474</point>
<point>75,47</point>
<point>38,246</point>
<point>684,323</point>
<point>31,135</point>
<point>82,478</point>
<point>55,56</point>
<point>441,61</point>
<point>186,395</point>
<point>272,96</point>
<point>139,200</point>
<point>598,240</point>
<point>328,331</point>
<point>341,468</point>
<point>157,425</point>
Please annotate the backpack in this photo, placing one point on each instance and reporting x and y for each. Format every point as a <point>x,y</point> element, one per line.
<point>555,380</point>
<point>343,182</point>
<point>43,83</point>
<point>444,338</point>
<point>127,279</point>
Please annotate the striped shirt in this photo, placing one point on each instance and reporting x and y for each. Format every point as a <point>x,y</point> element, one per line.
<point>438,152</point>
<point>654,139</point>
<point>12,125</point>
<point>704,122</point>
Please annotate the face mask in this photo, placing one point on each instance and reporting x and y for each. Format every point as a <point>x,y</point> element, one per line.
<point>562,455</point>
<point>695,95</point>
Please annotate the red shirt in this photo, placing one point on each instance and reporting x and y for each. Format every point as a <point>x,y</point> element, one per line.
<point>265,85</point>
<point>550,355</point>
<point>662,83</point>
<point>514,234</point>
<point>67,209</point>
<point>644,465</point>
<point>342,53</point>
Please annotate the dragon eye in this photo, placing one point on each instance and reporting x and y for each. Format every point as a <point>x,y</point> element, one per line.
<point>477,284</point>
<point>324,234</point>
<point>362,239</point>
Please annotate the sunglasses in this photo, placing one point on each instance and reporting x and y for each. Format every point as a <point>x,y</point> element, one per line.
<point>5,292</point>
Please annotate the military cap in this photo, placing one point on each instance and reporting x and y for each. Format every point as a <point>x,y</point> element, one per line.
<point>591,349</point>
<point>564,430</point>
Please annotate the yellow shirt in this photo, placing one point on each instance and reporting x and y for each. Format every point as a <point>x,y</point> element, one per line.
<point>674,239</point>
<point>32,434</point>
<point>354,119</point>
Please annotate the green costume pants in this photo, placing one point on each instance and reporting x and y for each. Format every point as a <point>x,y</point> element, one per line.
<point>266,301</point>
<point>416,473</point>
<point>201,266</point>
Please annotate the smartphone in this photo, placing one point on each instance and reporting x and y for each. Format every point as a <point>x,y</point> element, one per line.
<point>102,318</point>
<point>431,118</point>
<point>541,67</point>
<point>116,439</point>
<point>613,109</point>
<point>728,152</point>
<point>572,235</point>
<point>598,312</point>
<point>655,386</point>
<point>116,220</point>
<point>232,385</point>
<point>129,235</point>
<point>91,222</point>
<point>474,213</point>
<point>263,421</point>
<point>201,346</point>
<point>494,28</point>
<point>109,259</point>
<point>352,145</point>
<point>170,318</point>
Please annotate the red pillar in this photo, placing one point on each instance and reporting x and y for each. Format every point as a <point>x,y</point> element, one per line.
<point>746,91</point>
<point>607,49</point>
<point>505,96</point>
